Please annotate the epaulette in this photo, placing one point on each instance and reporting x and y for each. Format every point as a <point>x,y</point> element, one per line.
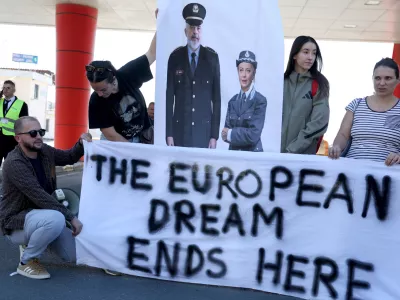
<point>180,47</point>
<point>211,50</point>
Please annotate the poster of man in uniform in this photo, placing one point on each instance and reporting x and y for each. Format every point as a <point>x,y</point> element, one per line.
<point>219,75</point>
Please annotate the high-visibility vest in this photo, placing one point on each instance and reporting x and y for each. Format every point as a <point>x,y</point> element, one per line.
<point>7,122</point>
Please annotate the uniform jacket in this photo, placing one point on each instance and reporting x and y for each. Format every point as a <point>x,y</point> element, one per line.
<point>21,189</point>
<point>304,119</point>
<point>193,103</point>
<point>246,123</point>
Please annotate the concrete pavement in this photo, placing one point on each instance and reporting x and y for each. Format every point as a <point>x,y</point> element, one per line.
<point>83,283</point>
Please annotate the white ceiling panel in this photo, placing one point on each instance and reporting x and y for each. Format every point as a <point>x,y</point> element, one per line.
<point>151,5</point>
<point>322,19</point>
<point>385,4</point>
<point>289,22</point>
<point>127,5</point>
<point>377,35</point>
<point>390,16</point>
<point>308,31</point>
<point>328,3</point>
<point>343,35</point>
<point>359,25</point>
<point>291,11</point>
<point>321,13</point>
<point>299,3</point>
<point>384,26</point>
<point>362,14</point>
<point>323,24</point>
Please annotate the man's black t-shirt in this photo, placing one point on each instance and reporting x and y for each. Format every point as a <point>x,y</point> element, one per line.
<point>126,111</point>
<point>40,174</point>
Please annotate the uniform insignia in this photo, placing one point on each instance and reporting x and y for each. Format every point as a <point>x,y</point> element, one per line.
<point>178,72</point>
<point>247,54</point>
<point>195,8</point>
<point>211,50</point>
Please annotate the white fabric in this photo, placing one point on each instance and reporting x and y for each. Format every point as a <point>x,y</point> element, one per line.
<point>113,213</point>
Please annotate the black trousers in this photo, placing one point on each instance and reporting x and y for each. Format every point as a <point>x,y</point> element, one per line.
<point>7,144</point>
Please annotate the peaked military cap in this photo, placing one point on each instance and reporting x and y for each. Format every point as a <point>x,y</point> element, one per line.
<point>194,14</point>
<point>247,56</point>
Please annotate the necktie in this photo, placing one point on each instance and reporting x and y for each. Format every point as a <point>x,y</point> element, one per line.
<point>242,101</point>
<point>193,63</point>
<point>5,106</point>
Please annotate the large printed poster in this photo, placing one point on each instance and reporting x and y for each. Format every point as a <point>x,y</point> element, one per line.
<point>219,75</point>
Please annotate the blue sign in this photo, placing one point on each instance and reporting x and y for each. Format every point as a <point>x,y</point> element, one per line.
<point>25,58</point>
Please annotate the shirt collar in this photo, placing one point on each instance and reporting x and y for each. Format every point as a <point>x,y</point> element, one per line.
<point>190,51</point>
<point>11,99</point>
<point>249,93</point>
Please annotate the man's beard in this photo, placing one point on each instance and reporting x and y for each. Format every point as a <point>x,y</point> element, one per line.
<point>32,147</point>
<point>194,44</point>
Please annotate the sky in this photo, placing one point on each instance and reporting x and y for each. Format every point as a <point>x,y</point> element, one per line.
<point>347,65</point>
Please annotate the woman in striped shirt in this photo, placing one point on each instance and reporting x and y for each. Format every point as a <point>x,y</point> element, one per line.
<point>372,124</point>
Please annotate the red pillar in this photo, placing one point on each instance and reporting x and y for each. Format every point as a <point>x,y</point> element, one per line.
<point>76,30</point>
<point>396,57</point>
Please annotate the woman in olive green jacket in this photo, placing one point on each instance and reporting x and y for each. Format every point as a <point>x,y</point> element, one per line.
<point>305,99</point>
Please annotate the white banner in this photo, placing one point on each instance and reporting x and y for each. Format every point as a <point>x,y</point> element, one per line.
<point>303,226</point>
<point>193,108</point>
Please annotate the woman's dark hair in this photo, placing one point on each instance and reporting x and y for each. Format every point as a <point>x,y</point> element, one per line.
<point>389,63</point>
<point>104,70</point>
<point>315,70</point>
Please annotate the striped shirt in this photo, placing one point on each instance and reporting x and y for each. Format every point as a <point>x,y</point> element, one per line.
<point>375,134</point>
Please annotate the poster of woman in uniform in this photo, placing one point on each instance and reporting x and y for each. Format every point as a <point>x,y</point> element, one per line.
<point>196,75</point>
<point>245,116</point>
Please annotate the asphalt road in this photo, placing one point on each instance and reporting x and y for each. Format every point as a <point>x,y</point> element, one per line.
<point>69,282</point>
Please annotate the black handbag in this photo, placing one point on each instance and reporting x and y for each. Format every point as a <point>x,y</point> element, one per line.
<point>348,145</point>
<point>347,148</point>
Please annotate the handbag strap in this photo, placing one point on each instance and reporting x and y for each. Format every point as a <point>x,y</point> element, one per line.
<point>358,103</point>
<point>349,142</point>
<point>355,109</point>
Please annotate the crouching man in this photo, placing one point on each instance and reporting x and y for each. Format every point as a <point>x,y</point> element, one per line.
<point>29,215</point>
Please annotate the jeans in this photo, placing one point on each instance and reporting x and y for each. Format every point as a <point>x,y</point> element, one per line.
<point>45,229</point>
<point>135,139</point>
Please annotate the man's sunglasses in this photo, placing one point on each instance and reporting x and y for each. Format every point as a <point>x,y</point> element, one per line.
<point>33,133</point>
<point>92,69</point>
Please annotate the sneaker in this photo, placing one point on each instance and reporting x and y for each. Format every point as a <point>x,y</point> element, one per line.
<point>112,273</point>
<point>33,269</point>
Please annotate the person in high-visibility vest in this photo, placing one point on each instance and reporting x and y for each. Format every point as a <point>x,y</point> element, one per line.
<point>11,108</point>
